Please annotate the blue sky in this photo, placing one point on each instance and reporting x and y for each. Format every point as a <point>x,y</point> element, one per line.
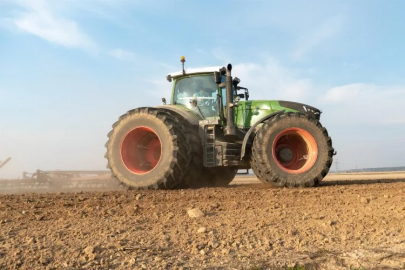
<point>70,68</point>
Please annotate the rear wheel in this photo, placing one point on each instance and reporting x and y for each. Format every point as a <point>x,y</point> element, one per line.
<point>196,176</point>
<point>148,148</point>
<point>291,150</point>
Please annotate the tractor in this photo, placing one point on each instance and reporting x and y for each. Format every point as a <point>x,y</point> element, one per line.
<point>210,130</point>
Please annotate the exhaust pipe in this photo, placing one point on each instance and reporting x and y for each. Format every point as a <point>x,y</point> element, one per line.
<point>230,130</point>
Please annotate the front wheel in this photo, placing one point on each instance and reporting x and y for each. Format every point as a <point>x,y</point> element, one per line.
<point>148,148</point>
<point>293,150</point>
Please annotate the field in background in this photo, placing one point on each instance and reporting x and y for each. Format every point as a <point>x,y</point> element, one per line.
<point>339,178</point>
<point>77,182</point>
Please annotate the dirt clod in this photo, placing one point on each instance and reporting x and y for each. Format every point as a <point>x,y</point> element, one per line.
<point>364,200</point>
<point>88,250</point>
<point>195,213</point>
<point>202,230</point>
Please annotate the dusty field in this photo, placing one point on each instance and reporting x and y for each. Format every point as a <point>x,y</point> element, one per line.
<point>347,223</point>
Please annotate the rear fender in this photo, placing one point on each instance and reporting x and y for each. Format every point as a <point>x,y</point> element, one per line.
<point>192,118</point>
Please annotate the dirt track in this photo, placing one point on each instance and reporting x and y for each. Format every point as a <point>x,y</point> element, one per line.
<point>354,224</point>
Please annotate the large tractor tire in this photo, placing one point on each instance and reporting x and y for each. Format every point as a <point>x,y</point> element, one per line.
<point>292,149</point>
<point>149,148</point>
<point>196,177</point>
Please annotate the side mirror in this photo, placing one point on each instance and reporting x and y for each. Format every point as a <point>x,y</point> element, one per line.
<point>246,95</point>
<point>217,77</point>
<point>235,81</point>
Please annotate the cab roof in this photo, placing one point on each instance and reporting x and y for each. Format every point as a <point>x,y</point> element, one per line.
<point>191,71</point>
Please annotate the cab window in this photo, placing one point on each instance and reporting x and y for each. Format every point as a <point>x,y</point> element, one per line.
<point>201,89</point>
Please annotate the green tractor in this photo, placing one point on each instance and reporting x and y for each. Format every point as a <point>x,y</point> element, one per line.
<point>210,130</point>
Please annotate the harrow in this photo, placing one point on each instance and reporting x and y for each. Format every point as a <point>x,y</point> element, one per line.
<point>60,181</point>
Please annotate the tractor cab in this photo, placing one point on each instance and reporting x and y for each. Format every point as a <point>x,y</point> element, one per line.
<point>203,91</point>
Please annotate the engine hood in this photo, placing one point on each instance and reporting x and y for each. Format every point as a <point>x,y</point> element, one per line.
<point>249,112</point>
<point>300,107</point>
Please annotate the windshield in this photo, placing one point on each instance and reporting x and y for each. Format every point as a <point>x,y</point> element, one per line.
<point>198,90</point>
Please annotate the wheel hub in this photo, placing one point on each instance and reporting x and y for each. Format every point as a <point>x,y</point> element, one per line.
<point>285,154</point>
<point>141,150</point>
<point>295,150</point>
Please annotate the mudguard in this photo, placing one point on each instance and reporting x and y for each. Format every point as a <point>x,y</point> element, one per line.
<point>191,117</point>
<point>252,129</point>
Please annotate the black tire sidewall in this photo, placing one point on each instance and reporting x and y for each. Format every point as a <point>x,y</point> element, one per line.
<point>302,123</point>
<point>161,130</point>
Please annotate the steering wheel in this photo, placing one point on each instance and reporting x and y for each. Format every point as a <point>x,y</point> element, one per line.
<point>204,98</point>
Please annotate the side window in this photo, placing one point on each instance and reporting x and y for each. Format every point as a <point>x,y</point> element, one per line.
<point>223,90</point>
<point>182,95</point>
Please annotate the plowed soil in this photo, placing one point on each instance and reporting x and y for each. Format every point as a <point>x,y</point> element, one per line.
<point>343,224</point>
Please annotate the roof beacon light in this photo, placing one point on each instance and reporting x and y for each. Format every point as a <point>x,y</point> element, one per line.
<point>182,60</point>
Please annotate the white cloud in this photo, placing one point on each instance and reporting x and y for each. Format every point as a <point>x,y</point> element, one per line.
<point>123,55</point>
<point>41,20</point>
<point>309,41</point>
<point>366,124</point>
<point>347,92</point>
<point>273,81</point>
<point>365,104</point>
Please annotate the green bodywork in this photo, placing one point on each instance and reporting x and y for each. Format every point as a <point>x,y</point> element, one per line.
<point>247,113</point>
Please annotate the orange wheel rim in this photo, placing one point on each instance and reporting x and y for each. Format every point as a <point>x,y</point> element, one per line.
<point>295,150</point>
<point>141,150</point>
